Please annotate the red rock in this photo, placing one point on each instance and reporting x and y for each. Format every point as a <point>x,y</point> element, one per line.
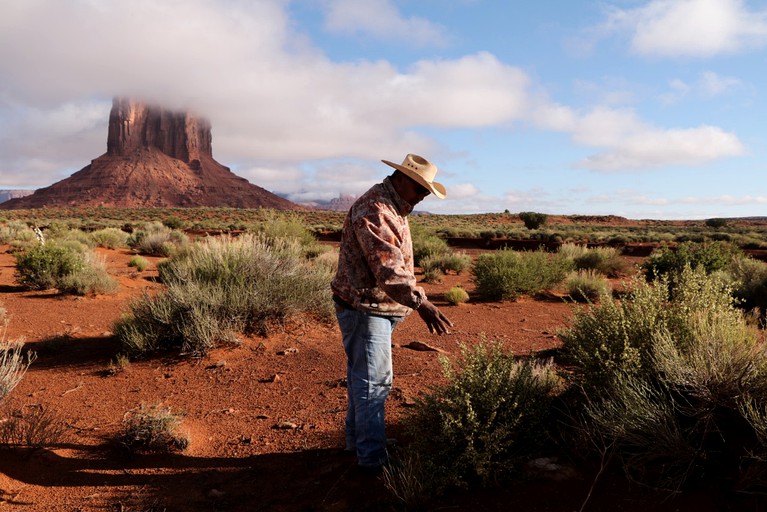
<point>155,158</point>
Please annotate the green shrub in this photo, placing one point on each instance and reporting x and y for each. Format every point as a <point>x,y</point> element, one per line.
<point>433,276</point>
<point>139,262</point>
<point>156,239</point>
<point>505,274</point>
<point>716,223</point>
<point>749,278</point>
<point>712,256</point>
<point>446,262</point>
<point>91,278</point>
<point>110,238</point>
<point>174,222</point>
<point>16,230</point>
<point>456,295</point>
<point>67,266</point>
<point>287,226</point>
<point>587,286</point>
<point>533,220</point>
<point>666,378</point>
<point>426,244</point>
<point>13,365</point>
<point>43,266</point>
<point>219,287</point>
<point>485,419</point>
<point>152,429</point>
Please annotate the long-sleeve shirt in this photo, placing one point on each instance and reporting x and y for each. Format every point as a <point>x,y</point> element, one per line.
<point>375,265</point>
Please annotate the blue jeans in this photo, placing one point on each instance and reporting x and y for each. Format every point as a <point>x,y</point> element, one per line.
<point>367,342</point>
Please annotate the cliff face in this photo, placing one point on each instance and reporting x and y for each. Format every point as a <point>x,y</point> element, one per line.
<point>134,125</point>
<point>155,157</point>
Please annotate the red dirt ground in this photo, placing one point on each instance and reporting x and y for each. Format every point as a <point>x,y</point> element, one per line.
<point>231,402</point>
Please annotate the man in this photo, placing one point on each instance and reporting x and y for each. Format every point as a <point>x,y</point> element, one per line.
<point>374,289</point>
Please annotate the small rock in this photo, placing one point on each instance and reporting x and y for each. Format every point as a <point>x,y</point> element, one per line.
<point>285,425</point>
<point>219,364</point>
<point>287,351</point>
<point>422,347</point>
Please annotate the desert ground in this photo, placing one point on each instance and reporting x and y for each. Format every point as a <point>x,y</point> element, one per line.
<point>264,418</point>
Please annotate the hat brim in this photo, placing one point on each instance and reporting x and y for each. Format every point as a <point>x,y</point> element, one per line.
<point>436,188</point>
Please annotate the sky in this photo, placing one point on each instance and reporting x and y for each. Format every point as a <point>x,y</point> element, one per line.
<point>647,109</point>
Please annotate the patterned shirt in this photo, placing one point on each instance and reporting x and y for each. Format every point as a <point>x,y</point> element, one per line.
<point>375,267</point>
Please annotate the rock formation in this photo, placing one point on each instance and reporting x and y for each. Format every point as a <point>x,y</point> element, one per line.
<point>5,195</point>
<point>155,158</point>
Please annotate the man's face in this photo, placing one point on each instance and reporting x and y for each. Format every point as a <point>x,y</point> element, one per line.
<point>414,192</point>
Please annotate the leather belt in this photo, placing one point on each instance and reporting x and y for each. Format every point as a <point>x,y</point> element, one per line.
<point>341,302</point>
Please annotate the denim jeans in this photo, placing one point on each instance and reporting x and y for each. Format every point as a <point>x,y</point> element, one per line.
<point>367,342</point>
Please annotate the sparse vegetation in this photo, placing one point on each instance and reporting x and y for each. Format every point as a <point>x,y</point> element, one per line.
<point>456,295</point>
<point>505,274</point>
<point>533,220</point>
<point>67,266</point>
<point>478,426</point>
<point>156,239</point>
<point>139,262</point>
<point>219,287</point>
<point>587,286</point>
<point>35,426</point>
<point>711,256</point>
<point>152,429</point>
<point>665,382</point>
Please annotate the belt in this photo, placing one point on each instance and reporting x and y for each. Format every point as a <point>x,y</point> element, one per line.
<point>341,302</point>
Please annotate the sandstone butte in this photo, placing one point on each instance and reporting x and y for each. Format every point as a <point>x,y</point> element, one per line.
<point>155,158</point>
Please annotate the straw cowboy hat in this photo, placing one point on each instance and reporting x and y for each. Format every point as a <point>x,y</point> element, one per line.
<point>421,171</point>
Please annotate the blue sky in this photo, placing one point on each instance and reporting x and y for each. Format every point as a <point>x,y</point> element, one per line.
<point>644,109</point>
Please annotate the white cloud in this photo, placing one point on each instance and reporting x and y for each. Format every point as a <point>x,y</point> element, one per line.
<point>696,28</point>
<point>631,144</point>
<point>382,20</point>
<point>713,84</point>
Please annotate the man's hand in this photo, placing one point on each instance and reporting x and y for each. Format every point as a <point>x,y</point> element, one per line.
<point>435,320</point>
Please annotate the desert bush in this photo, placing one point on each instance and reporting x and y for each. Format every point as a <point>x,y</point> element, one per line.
<point>139,262</point>
<point>36,427</point>
<point>152,429</point>
<point>505,274</point>
<point>445,262</point>
<point>16,230</point>
<point>664,376</point>
<point>110,238</point>
<point>571,251</point>
<point>749,283</point>
<point>491,412</point>
<point>219,287</point>
<point>277,227</point>
<point>433,276</point>
<point>426,244</point>
<point>606,260</point>
<point>712,256</point>
<point>587,286</point>
<point>92,277</point>
<point>456,295</point>
<point>43,266</point>
<point>156,239</point>
<point>716,223</point>
<point>13,365</point>
<point>533,220</point>
<point>174,222</point>
<point>68,266</point>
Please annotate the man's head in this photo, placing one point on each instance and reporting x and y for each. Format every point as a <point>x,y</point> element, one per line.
<point>415,176</point>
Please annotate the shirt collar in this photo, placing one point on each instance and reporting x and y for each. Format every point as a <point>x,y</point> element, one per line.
<point>403,207</point>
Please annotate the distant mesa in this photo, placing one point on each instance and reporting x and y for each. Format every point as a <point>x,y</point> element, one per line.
<point>342,203</point>
<point>5,195</point>
<point>155,158</point>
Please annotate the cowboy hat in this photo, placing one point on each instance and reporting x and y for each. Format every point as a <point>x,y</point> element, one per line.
<point>422,172</point>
